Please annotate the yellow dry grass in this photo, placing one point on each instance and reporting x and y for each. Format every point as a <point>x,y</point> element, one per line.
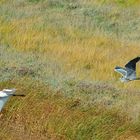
<point>90,55</point>
<point>98,54</point>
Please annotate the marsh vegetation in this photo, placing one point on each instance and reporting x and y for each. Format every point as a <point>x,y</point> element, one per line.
<point>61,54</point>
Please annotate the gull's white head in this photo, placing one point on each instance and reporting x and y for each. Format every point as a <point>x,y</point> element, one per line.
<point>9,91</point>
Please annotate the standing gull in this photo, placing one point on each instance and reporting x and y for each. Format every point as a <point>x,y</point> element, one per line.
<point>129,72</point>
<point>4,96</point>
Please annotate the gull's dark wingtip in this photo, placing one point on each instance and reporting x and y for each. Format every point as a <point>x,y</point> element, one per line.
<point>132,63</point>
<point>21,95</point>
<point>117,67</point>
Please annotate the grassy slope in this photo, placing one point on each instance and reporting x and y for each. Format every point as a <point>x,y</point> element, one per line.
<point>75,93</point>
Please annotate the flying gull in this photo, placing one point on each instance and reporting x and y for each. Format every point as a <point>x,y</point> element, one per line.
<point>129,72</point>
<point>4,96</point>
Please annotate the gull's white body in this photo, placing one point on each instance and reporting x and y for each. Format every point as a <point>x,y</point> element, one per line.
<point>4,96</point>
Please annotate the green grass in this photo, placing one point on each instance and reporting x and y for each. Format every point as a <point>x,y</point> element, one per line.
<point>61,55</point>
